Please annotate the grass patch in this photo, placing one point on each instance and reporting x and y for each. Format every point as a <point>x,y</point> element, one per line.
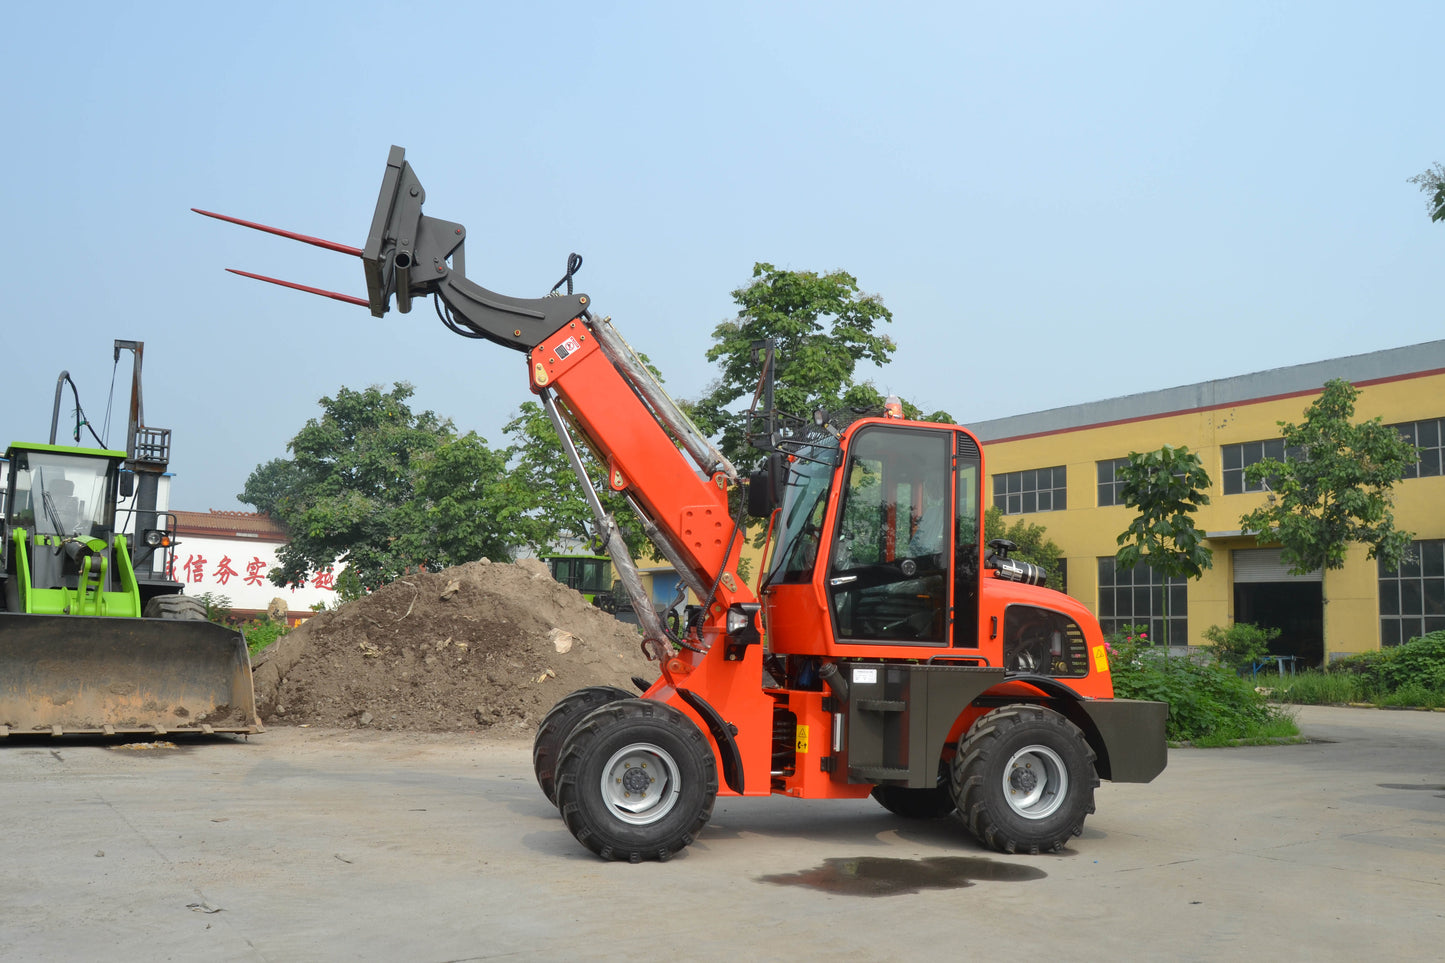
<point>1403,676</point>
<point>1316,688</point>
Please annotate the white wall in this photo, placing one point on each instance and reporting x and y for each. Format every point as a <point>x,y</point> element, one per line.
<point>237,568</point>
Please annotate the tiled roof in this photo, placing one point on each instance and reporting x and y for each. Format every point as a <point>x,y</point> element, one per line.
<point>229,525</point>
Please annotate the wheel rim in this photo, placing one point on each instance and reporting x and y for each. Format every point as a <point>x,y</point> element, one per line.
<point>640,784</point>
<point>1035,782</point>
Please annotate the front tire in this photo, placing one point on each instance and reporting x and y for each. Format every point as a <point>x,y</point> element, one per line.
<point>636,781</point>
<point>558,724</point>
<point>1024,780</point>
<point>182,608</point>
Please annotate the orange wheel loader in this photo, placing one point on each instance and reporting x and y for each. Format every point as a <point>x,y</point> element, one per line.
<point>886,652</point>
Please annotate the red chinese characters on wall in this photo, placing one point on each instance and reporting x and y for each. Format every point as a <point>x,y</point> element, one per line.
<point>224,573</point>
<point>193,569</point>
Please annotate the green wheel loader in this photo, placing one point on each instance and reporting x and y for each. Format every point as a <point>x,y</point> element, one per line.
<point>87,646</point>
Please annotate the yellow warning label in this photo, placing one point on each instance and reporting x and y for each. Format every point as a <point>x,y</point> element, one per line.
<point>1101,659</point>
<point>800,742</point>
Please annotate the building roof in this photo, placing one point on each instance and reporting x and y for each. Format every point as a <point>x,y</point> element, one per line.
<point>219,524</point>
<point>1392,364</point>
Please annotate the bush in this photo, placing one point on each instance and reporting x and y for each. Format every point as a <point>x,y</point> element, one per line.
<point>261,633</point>
<point>1418,665</point>
<point>1241,645</point>
<point>1412,674</point>
<point>1419,662</point>
<point>1209,704</point>
<point>218,607</point>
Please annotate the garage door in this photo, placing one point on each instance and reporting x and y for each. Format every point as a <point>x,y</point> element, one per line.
<point>1264,565</point>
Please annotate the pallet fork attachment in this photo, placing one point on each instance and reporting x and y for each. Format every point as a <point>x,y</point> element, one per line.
<point>410,255</point>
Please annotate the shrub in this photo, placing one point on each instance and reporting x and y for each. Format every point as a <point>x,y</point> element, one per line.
<point>261,633</point>
<point>1209,704</point>
<point>1241,645</point>
<point>1417,665</point>
<point>1419,662</point>
<point>1414,695</point>
<point>218,607</point>
<point>1412,674</point>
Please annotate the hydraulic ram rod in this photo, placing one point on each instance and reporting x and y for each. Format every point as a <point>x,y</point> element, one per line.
<point>607,528</point>
<point>620,353</point>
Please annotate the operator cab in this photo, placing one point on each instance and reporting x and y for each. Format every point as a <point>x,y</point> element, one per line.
<point>63,501</point>
<point>878,556</point>
<point>884,521</point>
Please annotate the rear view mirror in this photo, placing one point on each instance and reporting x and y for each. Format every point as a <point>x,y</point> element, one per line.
<point>766,486</point>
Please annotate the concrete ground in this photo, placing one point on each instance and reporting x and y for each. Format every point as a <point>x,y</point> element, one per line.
<point>302,844</point>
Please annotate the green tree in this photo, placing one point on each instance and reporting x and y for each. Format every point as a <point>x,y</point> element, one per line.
<point>467,505</point>
<point>1432,182</point>
<point>270,484</point>
<point>1032,540</point>
<point>823,326</point>
<point>1334,487</point>
<point>383,489</point>
<point>1166,487</point>
<point>559,511</point>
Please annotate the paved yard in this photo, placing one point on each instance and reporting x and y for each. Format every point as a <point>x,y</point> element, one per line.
<point>304,844</point>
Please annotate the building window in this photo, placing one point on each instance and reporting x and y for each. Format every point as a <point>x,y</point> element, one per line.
<point>1036,490</point>
<point>1110,484</point>
<point>1426,436</point>
<point>1143,597</point>
<point>1239,457</point>
<point>1412,596</point>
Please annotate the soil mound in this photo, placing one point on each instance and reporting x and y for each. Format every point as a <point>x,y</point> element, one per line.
<point>482,645</point>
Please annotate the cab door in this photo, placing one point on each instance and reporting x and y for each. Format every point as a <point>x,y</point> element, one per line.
<point>889,578</point>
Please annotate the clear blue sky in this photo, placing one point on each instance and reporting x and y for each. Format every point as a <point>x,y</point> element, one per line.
<point>1058,205</point>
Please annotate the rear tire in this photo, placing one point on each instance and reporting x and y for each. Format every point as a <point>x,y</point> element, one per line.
<point>558,724</point>
<point>636,781</point>
<point>181,608</point>
<point>1024,780</point>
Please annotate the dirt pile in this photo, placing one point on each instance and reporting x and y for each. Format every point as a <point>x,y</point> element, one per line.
<point>482,645</point>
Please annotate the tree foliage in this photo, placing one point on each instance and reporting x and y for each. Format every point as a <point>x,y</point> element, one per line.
<point>1166,487</point>
<point>1030,538</point>
<point>1432,182</point>
<point>467,506</point>
<point>1334,487</point>
<point>384,489</point>
<point>541,468</point>
<point>823,326</point>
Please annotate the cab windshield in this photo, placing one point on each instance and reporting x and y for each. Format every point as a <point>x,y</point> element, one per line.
<point>805,501</point>
<point>60,494</point>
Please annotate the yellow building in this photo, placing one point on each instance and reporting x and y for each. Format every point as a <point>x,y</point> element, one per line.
<point>1057,468</point>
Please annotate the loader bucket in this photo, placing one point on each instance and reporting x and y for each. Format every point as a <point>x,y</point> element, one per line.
<point>70,675</point>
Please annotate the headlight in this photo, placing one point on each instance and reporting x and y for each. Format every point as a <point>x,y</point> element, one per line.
<point>742,628</point>
<point>740,617</point>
